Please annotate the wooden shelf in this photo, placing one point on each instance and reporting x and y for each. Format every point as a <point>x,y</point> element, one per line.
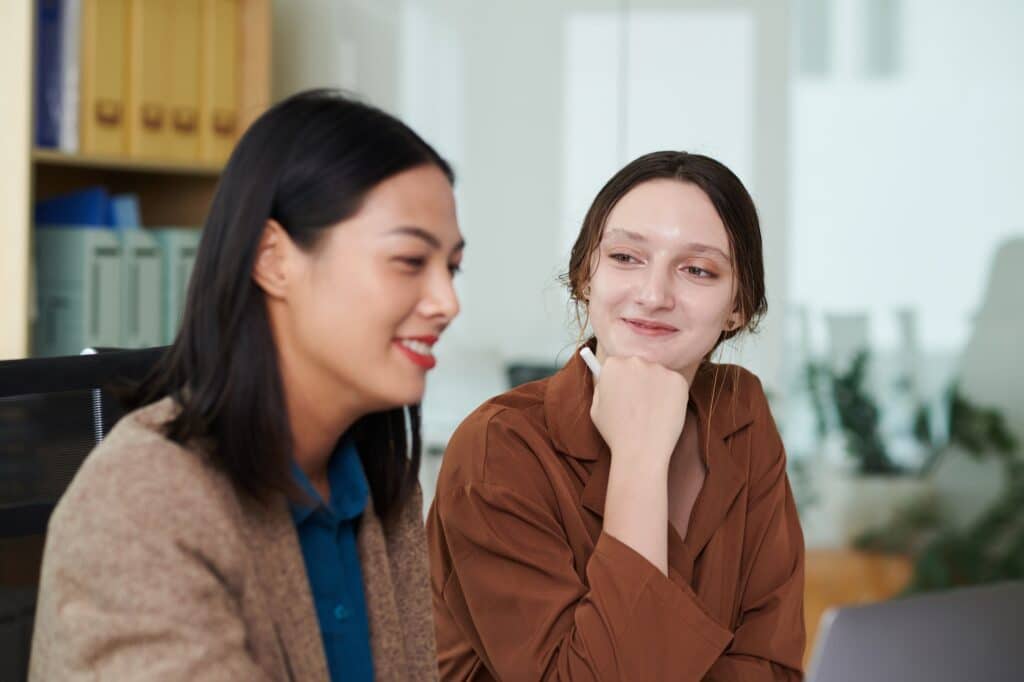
<point>52,157</point>
<point>171,193</point>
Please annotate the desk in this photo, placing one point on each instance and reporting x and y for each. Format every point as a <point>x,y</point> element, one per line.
<point>842,577</point>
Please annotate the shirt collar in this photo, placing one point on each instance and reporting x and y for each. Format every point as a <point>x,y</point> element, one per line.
<point>349,488</point>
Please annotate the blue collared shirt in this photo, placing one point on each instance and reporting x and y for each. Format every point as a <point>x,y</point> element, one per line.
<point>327,534</point>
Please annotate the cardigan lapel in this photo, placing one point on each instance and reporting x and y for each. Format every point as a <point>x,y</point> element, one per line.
<point>396,583</point>
<point>381,608</point>
<point>270,532</point>
<point>282,573</point>
<point>410,564</point>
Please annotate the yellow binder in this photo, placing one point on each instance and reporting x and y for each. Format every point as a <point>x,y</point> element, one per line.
<point>147,109</point>
<point>219,127</point>
<point>164,92</point>
<point>182,66</point>
<point>103,83</point>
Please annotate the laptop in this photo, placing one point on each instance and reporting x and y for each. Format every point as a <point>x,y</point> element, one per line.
<point>973,634</point>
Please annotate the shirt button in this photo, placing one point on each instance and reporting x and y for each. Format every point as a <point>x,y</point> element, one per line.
<point>340,612</point>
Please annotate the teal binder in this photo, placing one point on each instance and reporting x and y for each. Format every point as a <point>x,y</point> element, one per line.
<point>178,246</point>
<point>78,284</point>
<point>142,302</point>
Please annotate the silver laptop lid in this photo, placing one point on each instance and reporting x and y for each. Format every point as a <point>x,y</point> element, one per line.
<point>965,635</point>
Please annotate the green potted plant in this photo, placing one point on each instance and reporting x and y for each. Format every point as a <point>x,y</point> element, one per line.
<point>989,548</point>
<point>860,486</point>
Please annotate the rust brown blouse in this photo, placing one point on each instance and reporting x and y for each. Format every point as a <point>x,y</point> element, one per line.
<point>526,586</point>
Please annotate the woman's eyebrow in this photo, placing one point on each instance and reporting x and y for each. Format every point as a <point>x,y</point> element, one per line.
<point>707,248</point>
<point>628,234</point>
<point>692,246</point>
<point>427,236</point>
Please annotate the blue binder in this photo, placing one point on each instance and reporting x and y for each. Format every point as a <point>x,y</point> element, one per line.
<point>87,208</point>
<point>125,211</point>
<point>49,79</point>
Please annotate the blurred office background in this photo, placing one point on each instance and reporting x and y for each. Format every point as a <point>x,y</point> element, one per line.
<point>881,140</point>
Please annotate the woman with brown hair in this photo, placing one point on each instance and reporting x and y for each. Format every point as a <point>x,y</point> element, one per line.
<point>637,524</point>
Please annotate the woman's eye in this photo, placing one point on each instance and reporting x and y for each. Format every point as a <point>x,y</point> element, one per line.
<point>697,272</point>
<point>413,262</point>
<point>622,258</point>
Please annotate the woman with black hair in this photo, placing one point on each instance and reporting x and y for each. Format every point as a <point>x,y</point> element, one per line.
<point>258,517</point>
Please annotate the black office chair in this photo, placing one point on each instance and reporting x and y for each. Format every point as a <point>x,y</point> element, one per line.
<point>53,412</point>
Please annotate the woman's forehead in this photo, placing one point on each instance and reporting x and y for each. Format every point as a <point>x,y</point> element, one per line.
<point>667,212</point>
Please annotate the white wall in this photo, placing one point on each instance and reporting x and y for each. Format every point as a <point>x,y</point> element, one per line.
<point>349,44</point>
<point>903,186</point>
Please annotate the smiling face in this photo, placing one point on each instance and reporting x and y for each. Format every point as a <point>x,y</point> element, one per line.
<point>357,315</point>
<point>662,283</point>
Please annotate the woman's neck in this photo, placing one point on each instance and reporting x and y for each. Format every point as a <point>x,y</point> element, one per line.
<point>318,415</point>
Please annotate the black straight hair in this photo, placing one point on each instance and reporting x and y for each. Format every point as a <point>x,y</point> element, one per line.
<point>307,163</point>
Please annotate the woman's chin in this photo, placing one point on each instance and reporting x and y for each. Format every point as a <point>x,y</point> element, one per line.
<point>674,362</point>
<point>408,395</point>
<point>632,348</point>
<point>394,397</point>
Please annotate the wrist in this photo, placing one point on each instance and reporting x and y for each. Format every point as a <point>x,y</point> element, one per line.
<point>640,467</point>
<point>649,456</point>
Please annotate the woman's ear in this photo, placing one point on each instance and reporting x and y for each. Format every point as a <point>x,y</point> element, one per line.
<point>735,320</point>
<point>270,269</point>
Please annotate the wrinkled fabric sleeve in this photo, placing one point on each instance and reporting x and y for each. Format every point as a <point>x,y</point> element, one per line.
<point>134,587</point>
<point>768,642</point>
